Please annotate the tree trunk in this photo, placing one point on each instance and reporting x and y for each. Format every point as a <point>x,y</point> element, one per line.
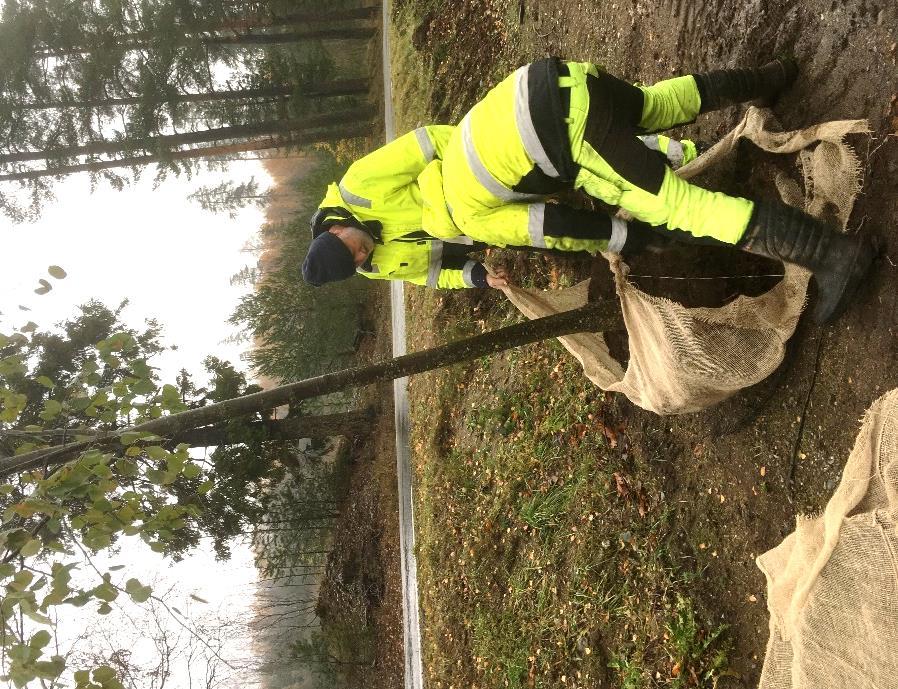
<point>319,17</point>
<point>349,424</point>
<point>302,19</point>
<point>339,87</point>
<point>139,43</point>
<point>598,317</point>
<point>314,136</point>
<point>169,141</point>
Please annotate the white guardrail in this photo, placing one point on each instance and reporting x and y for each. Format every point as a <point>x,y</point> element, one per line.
<point>414,676</point>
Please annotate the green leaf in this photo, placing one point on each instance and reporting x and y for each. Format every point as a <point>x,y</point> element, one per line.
<point>129,438</point>
<point>46,382</point>
<point>82,676</point>
<point>138,592</point>
<point>140,369</point>
<point>22,579</point>
<point>106,592</point>
<point>52,408</point>
<point>104,673</point>
<point>50,669</point>
<point>31,547</point>
<point>20,675</point>
<point>104,608</point>
<point>40,639</point>
<point>116,568</point>
<point>175,464</point>
<point>156,452</point>
<point>143,387</point>
<point>205,487</point>
<point>191,470</point>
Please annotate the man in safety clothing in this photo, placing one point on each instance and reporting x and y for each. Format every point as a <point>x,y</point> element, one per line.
<point>384,234</point>
<point>555,125</point>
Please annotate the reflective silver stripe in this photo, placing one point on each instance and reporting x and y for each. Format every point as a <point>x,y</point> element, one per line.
<point>675,153</point>
<point>535,226</point>
<point>651,141</point>
<point>466,273</point>
<point>527,131</point>
<point>618,235</point>
<point>486,179</point>
<point>354,199</point>
<point>460,239</point>
<point>436,264</point>
<point>425,144</point>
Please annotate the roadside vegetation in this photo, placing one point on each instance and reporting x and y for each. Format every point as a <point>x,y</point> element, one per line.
<point>548,552</point>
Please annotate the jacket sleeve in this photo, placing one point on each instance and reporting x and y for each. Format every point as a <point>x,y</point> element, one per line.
<point>677,153</point>
<point>376,176</point>
<point>448,274</point>
<point>458,276</point>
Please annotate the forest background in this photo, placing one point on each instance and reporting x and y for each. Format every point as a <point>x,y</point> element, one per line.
<point>174,91</point>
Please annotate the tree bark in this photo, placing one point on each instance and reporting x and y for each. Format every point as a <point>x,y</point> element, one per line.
<point>168,141</point>
<point>597,317</point>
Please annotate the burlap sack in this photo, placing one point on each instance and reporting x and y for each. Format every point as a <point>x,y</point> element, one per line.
<point>687,359</point>
<point>832,585</point>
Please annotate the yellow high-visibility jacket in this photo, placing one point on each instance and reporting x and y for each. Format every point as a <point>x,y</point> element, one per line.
<point>400,186</point>
<point>383,187</point>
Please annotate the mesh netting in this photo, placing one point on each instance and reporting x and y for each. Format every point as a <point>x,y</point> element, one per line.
<point>832,585</point>
<point>687,359</point>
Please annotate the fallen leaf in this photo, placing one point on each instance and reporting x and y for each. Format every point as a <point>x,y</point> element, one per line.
<point>623,488</point>
<point>610,435</point>
<point>57,272</point>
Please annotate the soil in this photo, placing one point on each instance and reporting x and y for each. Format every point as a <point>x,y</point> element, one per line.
<point>745,469</point>
<point>741,472</point>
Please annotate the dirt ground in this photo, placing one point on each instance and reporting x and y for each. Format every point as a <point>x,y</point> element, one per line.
<point>741,472</point>
<point>746,468</point>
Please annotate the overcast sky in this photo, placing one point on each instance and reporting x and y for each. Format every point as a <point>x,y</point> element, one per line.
<point>170,258</point>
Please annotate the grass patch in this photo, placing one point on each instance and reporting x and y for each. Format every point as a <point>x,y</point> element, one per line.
<point>543,546</point>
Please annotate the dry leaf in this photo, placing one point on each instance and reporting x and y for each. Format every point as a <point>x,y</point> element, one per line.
<point>623,488</point>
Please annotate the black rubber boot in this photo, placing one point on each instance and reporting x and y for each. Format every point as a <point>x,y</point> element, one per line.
<point>839,262</point>
<point>723,87</point>
<point>644,238</point>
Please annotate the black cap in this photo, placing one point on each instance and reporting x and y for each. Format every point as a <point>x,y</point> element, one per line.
<point>328,260</point>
